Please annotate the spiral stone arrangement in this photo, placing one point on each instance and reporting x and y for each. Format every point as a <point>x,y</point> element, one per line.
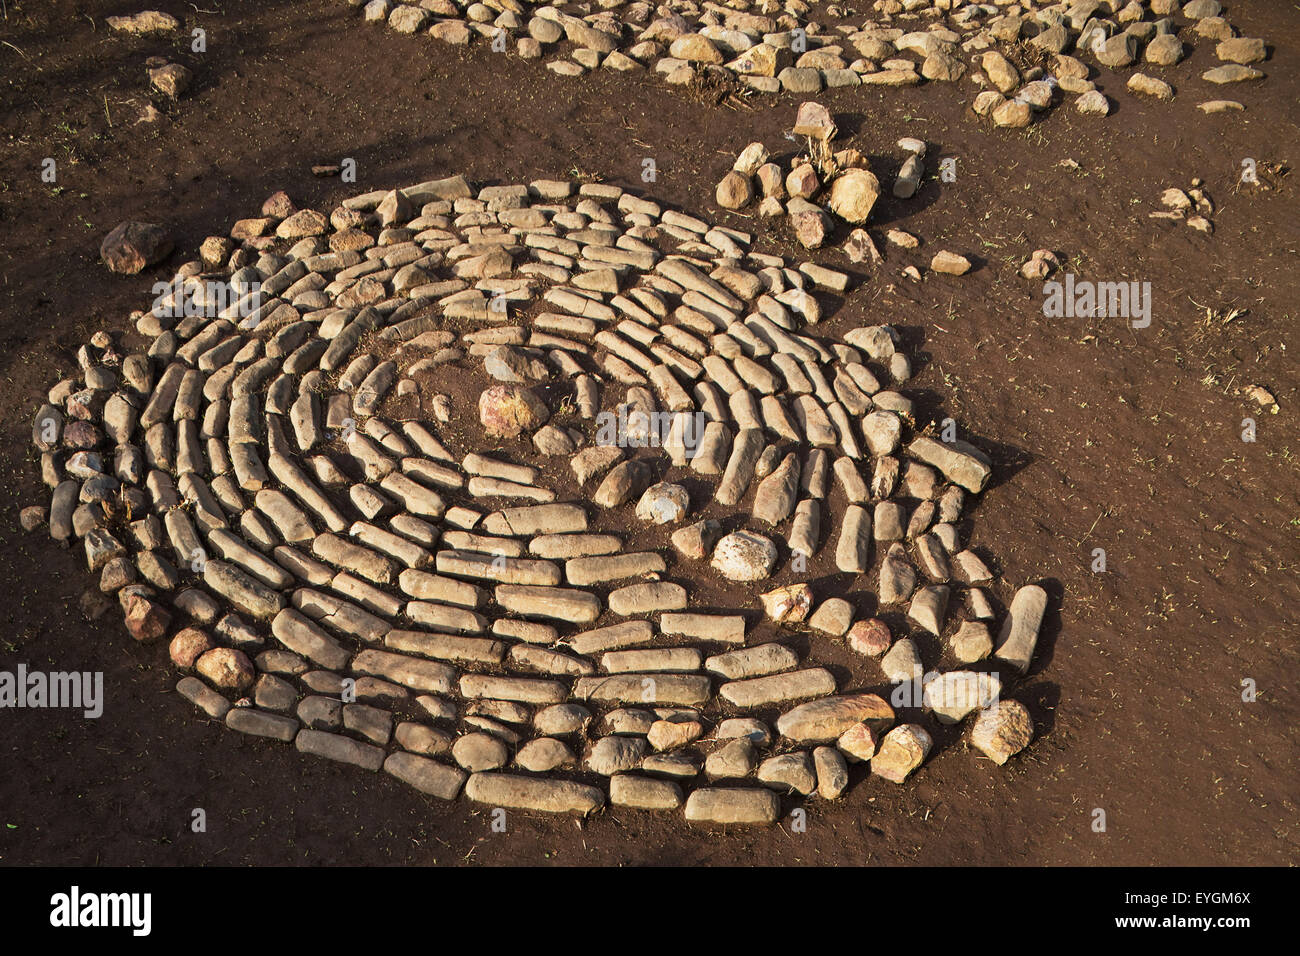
<point>479,488</point>
<point>1020,54</point>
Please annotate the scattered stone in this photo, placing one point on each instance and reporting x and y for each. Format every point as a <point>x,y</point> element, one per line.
<point>1002,731</point>
<point>132,246</point>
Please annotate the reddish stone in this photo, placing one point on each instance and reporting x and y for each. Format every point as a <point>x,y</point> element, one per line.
<point>870,637</point>
<point>133,245</point>
<point>279,206</point>
<point>188,646</point>
<point>508,410</point>
<point>146,620</point>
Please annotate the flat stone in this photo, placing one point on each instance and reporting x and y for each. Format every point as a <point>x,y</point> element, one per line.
<point>533,793</point>
<point>342,749</point>
<point>427,776</point>
<point>259,723</point>
<point>824,720</point>
<point>643,793</point>
<point>776,689</point>
<point>738,806</point>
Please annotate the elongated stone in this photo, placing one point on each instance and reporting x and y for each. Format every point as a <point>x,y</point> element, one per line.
<point>296,480</point>
<point>614,637</point>
<point>720,628</point>
<point>1019,634</point>
<point>682,690</point>
<point>647,598</point>
<point>411,672</point>
<point>445,617</point>
<point>232,548</point>
<point>677,659</point>
<point>432,587</point>
<point>740,466</point>
<point>533,793</point>
<point>757,661</point>
<point>960,462</point>
<point>447,647</point>
<point>340,748</point>
<point>571,545</point>
<point>778,688</point>
<point>427,776</point>
<point>640,792</point>
<point>584,572</point>
<point>733,806</point>
<point>853,552</point>
<point>391,545</point>
<point>824,720</point>
<point>259,723</point>
<point>775,498</point>
<point>524,689</point>
<point>562,604</point>
<point>241,589</point>
<point>528,520</point>
<point>303,636</point>
<point>344,554</point>
<point>414,497</point>
<point>471,564</point>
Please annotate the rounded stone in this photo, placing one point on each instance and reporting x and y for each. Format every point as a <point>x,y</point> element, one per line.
<point>744,556</point>
<point>663,503</point>
<point>478,752</point>
<point>853,195</point>
<point>188,646</point>
<point>1002,730</point>
<point>506,411</point>
<point>226,668</point>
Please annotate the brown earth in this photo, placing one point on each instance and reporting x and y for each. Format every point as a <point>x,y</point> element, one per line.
<point>1103,435</point>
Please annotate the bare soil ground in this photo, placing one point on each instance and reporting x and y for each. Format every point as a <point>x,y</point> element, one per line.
<point>1103,435</point>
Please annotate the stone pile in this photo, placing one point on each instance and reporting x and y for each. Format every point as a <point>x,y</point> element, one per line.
<point>259,485</point>
<point>1019,53</point>
<point>1193,207</point>
<point>840,178</point>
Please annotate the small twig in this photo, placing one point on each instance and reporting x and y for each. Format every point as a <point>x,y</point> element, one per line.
<point>12,47</point>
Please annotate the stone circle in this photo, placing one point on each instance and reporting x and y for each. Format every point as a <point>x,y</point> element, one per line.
<point>306,475</point>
